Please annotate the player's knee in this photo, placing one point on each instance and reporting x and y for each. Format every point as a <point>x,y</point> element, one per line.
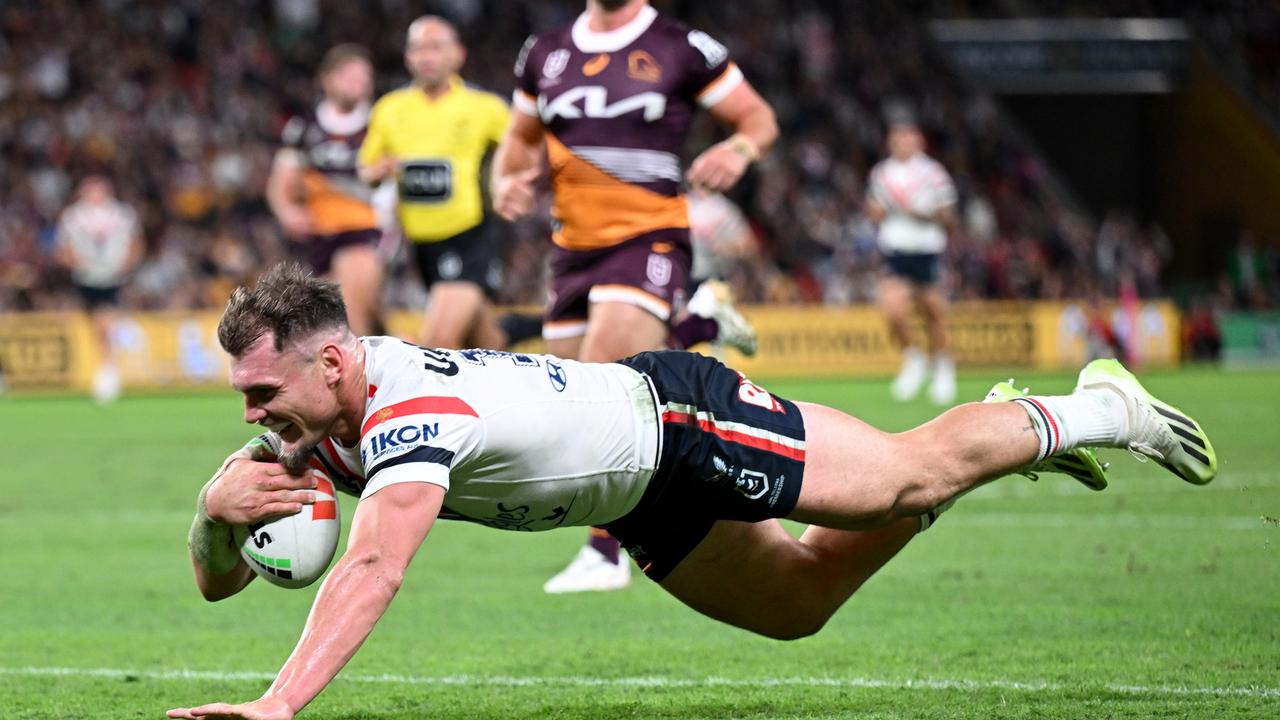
<point>799,622</point>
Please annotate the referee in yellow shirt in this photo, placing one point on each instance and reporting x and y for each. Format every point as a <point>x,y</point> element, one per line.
<point>432,137</point>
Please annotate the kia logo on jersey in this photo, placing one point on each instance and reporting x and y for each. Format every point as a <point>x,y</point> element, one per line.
<point>595,104</point>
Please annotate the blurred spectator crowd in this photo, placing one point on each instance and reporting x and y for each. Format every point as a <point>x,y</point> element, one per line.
<point>180,104</point>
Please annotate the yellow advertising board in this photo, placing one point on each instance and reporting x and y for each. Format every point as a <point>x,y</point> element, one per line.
<point>180,350</point>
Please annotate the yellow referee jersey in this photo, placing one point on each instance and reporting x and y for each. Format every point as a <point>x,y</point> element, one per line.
<point>440,145</point>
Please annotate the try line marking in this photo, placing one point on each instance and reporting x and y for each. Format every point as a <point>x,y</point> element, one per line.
<point>1031,686</point>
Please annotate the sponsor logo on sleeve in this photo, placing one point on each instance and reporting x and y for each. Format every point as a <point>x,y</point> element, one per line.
<point>556,374</point>
<point>386,442</point>
<point>712,51</point>
<point>523,57</point>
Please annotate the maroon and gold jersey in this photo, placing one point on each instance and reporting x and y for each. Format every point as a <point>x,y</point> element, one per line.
<point>327,143</point>
<point>617,107</point>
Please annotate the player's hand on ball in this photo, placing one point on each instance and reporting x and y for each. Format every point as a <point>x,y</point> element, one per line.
<point>266,708</point>
<point>718,168</point>
<point>249,491</point>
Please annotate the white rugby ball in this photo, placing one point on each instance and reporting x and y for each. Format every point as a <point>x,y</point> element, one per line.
<point>294,551</point>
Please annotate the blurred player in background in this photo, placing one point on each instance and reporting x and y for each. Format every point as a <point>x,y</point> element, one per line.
<point>431,138</point>
<point>610,99</point>
<point>315,194</point>
<point>912,198</point>
<point>721,238</point>
<point>100,242</point>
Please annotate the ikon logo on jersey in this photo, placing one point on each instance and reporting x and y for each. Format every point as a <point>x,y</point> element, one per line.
<point>593,101</point>
<point>393,440</point>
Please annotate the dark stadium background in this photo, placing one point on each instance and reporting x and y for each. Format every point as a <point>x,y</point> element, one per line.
<point>1065,190</point>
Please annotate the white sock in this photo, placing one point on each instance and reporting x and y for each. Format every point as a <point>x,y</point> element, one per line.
<point>1084,418</point>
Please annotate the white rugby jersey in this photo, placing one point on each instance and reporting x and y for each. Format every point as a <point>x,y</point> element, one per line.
<point>921,185</point>
<point>99,237</point>
<point>518,441</point>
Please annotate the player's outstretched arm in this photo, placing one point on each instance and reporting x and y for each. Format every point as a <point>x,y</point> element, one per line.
<point>386,532</point>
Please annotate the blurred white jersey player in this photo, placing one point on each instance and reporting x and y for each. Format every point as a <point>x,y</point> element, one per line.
<point>100,243</point>
<point>913,199</point>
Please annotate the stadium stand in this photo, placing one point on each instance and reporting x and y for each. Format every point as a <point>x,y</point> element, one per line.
<point>181,104</point>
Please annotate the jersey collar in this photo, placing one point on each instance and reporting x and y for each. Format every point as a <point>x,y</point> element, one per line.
<point>590,41</point>
<point>455,82</point>
<point>335,122</point>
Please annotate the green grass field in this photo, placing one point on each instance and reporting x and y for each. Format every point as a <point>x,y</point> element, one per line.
<point>1154,599</point>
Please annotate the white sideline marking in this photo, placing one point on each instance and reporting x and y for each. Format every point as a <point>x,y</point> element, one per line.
<point>1253,691</point>
<point>1110,520</point>
<point>1013,486</point>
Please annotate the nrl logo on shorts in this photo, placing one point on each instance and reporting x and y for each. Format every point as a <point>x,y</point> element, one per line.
<point>658,270</point>
<point>555,64</point>
<point>753,484</point>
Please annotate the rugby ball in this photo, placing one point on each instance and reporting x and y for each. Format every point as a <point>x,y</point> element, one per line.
<point>294,551</point>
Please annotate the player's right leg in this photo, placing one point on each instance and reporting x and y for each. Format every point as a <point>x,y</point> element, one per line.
<point>619,329</point>
<point>895,298</point>
<point>358,270</point>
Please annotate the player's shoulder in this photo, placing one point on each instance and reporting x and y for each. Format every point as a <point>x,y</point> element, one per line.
<point>393,99</point>
<point>680,34</point>
<point>930,165</point>
<point>296,127</point>
<point>483,96</point>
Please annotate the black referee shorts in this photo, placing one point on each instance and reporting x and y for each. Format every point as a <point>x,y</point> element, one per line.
<point>470,256</point>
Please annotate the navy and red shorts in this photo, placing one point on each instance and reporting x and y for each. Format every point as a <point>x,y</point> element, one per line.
<point>730,451</point>
<point>649,271</point>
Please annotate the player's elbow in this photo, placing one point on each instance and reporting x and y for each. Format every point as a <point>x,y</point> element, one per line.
<point>214,594</point>
<point>377,569</point>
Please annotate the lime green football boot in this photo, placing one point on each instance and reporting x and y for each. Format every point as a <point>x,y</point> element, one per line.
<point>1081,463</point>
<point>1155,429</point>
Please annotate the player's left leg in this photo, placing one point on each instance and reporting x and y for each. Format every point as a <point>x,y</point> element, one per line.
<point>933,306</point>
<point>107,383</point>
<point>867,493</point>
<point>619,329</point>
<point>487,332</point>
<point>758,577</point>
<point>711,317</point>
<point>614,330</point>
<point>452,309</point>
<point>358,271</point>
<point>871,490</point>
